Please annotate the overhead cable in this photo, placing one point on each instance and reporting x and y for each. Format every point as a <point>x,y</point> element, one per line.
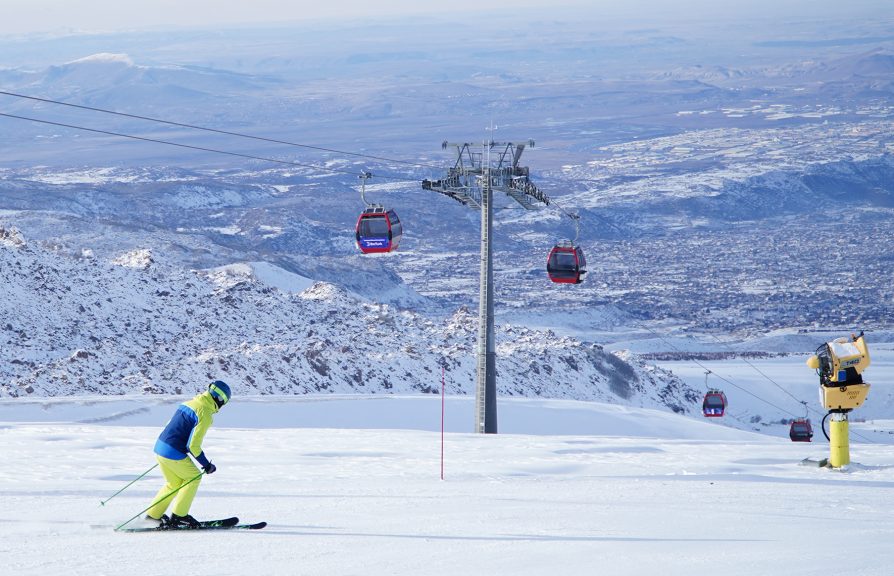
<point>215,130</point>
<point>201,148</point>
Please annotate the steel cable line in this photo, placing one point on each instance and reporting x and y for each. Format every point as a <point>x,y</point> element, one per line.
<point>217,131</point>
<point>200,148</point>
<point>575,217</point>
<point>571,215</point>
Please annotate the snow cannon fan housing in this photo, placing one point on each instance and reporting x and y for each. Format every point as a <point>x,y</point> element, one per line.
<point>840,365</point>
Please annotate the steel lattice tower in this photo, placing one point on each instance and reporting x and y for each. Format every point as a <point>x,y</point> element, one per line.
<point>471,181</point>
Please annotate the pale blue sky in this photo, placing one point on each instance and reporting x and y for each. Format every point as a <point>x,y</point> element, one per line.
<point>26,16</point>
<point>29,16</point>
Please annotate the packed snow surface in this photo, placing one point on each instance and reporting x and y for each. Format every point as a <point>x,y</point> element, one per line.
<point>352,485</point>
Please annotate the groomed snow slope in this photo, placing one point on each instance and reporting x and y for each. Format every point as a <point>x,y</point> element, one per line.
<point>617,491</point>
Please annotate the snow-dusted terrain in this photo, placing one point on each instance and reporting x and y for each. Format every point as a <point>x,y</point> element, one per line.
<point>76,324</point>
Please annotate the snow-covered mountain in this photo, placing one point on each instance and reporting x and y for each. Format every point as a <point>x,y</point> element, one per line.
<point>77,324</point>
<point>109,79</point>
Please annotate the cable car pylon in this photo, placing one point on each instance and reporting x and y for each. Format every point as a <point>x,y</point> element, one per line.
<point>471,182</point>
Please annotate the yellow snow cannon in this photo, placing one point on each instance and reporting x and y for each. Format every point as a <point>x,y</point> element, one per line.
<point>840,365</point>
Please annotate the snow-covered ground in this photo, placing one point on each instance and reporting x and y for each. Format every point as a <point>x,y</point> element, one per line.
<point>351,485</point>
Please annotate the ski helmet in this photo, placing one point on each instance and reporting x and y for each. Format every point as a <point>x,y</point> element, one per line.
<point>220,392</point>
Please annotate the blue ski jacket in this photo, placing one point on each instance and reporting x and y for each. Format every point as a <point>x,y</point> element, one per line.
<point>185,432</point>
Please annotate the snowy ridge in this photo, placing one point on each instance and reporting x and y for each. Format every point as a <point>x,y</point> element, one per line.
<point>104,58</point>
<point>11,238</point>
<point>141,258</point>
<point>264,272</point>
<point>135,325</point>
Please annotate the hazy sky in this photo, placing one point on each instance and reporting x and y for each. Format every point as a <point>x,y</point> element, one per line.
<point>29,16</point>
<point>25,16</point>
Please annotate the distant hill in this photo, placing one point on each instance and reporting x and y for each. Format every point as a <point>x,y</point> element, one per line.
<point>77,324</point>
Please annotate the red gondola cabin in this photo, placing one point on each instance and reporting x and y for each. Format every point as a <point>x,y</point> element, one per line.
<point>566,264</point>
<point>714,404</point>
<point>801,430</point>
<point>378,230</point>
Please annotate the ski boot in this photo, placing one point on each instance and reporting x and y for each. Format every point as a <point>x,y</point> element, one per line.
<point>161,522</point>
<point>183,521</point>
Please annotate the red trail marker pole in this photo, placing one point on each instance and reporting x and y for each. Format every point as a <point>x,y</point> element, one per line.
<point>442,422</point>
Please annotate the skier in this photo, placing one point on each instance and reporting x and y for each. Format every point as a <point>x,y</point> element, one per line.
<point>183,437</point>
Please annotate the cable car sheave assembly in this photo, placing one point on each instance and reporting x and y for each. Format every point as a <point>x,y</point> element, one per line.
<point>464,180</point>
<point>840,365</point>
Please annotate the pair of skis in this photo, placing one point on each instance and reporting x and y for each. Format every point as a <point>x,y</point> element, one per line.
<point>223,524</point>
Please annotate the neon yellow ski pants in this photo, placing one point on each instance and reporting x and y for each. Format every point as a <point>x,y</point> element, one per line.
<point>177,473</point>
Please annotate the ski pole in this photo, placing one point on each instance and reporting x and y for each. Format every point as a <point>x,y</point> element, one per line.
<point>162,499</point>
<point>103,503</point>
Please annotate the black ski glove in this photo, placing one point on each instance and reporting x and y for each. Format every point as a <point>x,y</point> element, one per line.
<point>209,468</point>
